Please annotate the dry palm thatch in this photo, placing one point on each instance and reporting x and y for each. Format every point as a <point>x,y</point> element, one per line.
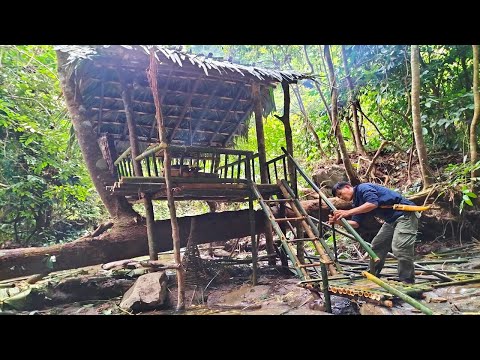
<point>205,102</point>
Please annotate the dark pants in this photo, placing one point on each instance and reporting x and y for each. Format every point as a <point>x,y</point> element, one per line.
<point>400,237</point>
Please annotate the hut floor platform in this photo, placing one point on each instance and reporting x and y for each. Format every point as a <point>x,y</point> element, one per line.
<point>189,188</point>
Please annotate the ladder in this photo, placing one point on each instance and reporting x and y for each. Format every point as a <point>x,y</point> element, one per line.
<point>302,218</point>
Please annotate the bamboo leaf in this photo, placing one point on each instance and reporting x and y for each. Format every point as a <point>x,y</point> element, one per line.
<point>467,200</point>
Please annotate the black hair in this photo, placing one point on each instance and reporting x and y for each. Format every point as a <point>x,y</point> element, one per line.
<point>339,186</point>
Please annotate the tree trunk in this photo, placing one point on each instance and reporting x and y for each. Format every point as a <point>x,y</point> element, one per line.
<point>285,119</point>
<point>353,101</point>
<point>308,123</point>
<point>352,176</point>
<point>324,101</point>
<point>117,206</point>
<point>125,240</point>
<point>476,113</point>
<point>128,240</point>
<point>417,122</point>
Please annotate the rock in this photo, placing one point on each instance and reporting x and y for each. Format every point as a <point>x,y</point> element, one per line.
<point>149,292</point>
<point>326,178</point>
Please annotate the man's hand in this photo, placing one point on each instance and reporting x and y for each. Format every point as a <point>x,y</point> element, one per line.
<point>340,214</point>
<point>331,220</point>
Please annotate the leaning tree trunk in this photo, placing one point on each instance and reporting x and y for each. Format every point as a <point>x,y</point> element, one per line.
<point>117,206</point>
<point>352,176</point>
<point>417,122</point>
<point>476,113</point>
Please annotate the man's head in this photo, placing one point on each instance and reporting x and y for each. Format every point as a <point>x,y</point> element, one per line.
<point>343,190</point>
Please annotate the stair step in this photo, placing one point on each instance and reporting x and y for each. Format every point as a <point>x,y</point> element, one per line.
<point>303,239</point>
<point>314,264</point>
<point>309,265</point>
<point>290,219</point>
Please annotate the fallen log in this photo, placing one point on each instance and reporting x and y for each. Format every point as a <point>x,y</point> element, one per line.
<point>124,240</point>
<point>129,239</point>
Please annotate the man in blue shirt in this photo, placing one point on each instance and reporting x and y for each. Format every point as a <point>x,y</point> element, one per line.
<point>398,231</point>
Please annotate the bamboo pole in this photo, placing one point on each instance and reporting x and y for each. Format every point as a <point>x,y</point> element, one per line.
<point>179,149</point>
<point>180,180</point>
<point>152,77</point>
<point>311,229</point>
<point>401,295</point>
<point>300,272</point>
<point>122,156</point>
<point>151,151</point>
<point>458,282</point>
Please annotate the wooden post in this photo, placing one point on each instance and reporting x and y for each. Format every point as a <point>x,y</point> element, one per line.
<point>213,207</point>
<point>260,133</point>
<point>149,215</point>
<point>109,152</point>
<point>292,175</point>
<point>152,77</point>
<point>263,159</point>
<point>251,217</point>
<point>137,168</point>
<point>132,133</point>
<point>283,227</point>
<point>326,294</point>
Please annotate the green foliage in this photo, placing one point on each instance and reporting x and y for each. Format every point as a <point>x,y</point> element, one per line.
<point>48,193</point>
<point>45,191</point>
<point>457,176</point>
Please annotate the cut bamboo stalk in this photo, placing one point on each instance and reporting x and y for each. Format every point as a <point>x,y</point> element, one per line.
<point>401,295</point>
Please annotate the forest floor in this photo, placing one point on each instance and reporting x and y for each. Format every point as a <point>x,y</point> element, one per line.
<point>230,292</point>
<point>226,287</point>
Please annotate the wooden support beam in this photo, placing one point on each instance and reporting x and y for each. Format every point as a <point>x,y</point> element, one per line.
<point>121,123</point>
<point>230,109</point>
<point>185,107</point>
<point>109,152</point>
<point>192,71</point>
<point>152,75</point>
<point>207,106</point>
<point>288,135</point>
<point>242,119</point>
<point>256,95</point>
<point>164,91</point>
<point>132,132</point>
<point>175,149</point>
<point>178,92</point>
<point>260,132</point>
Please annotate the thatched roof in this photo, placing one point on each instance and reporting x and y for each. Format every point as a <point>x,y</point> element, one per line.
<point>205,102</point>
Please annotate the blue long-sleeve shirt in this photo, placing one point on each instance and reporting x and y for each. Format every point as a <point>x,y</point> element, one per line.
<point>378,195</point>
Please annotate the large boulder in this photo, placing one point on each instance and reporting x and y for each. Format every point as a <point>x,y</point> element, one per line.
<point>148,293</point>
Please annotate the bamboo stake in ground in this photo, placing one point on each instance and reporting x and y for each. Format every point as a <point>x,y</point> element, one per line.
<point>152,77</point>
<point>398,293</point>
